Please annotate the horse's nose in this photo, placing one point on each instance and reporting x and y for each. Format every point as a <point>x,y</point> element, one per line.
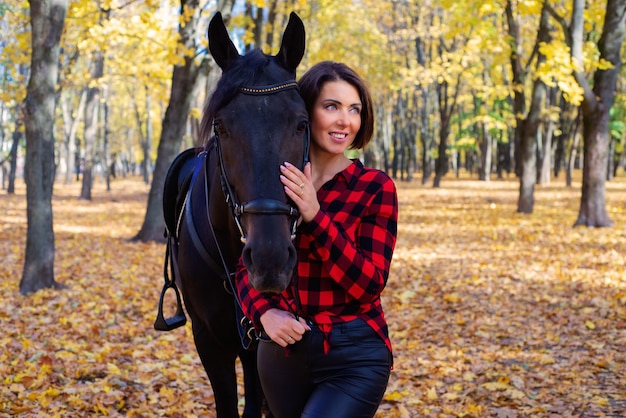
<point>270,266</point>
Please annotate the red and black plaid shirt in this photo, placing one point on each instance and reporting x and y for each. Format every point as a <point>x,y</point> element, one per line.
<point>344,255</point>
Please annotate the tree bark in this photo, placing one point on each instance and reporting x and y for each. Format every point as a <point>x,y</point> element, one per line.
<point>424,112</point>
<point>519,97</point>
<point>92,108</point>
<point>446,109</point>
<point>546,154</point>
<point>528,150</point>
<point>486,145</point>
<point>596,106</point>
<point>532,128</point>
<point>47,18</point>
<point>16,137</point>
<point>72,123</point>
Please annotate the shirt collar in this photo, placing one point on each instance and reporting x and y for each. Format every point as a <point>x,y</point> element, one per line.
<point>353,171</point>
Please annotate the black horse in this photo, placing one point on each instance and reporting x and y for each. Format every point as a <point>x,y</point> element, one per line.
<point>236,205</point>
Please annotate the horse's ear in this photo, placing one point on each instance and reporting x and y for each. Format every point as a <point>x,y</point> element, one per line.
<point>292,46</point>
<point>220,45</point>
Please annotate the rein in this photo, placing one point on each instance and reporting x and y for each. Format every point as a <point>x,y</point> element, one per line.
<point>261,206</point>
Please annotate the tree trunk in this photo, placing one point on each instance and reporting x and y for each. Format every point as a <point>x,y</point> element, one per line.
<point>595,150</point>
<point>92,107</point>
<point>271,23</point>
<point>528,151</point>
<point>559,154</point>
<point>106,152</point>
<point>486,146</point>
<point>47,19</point>
<point>427,140</point>
<point>532,128</point>
<point>596,105</point>
<point>571,161</point>
<point>446,109</point>
<point>519,97</point>
<point>424,113</point>
<point>73,124</point>
<point>546,154</point>
<point>503,152</point>
<point>441,163</point>
<point>17,136</point>
<point>146,164</point>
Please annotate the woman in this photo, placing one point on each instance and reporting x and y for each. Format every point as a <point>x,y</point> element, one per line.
<point>325,348</point>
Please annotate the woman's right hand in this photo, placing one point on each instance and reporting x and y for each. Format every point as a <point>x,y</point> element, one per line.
<point>282,327</point>
<point>300,189</point>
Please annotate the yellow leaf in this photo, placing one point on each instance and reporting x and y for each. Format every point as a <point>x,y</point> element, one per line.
<point>514,394</point>
<point>601,401</point>
<point>393,396</point>
<point>431,394</point>
<point>113,369</point>
<point>469,376</point>
<point>452,297</point>
<point>590,325</point>
<point>52,392</point>
<point>16,388</point>
<point>457,387</point>
<point>449,396</point>
<point>493,386</point>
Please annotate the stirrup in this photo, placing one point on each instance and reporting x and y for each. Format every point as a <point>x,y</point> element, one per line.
<point>179,319</point>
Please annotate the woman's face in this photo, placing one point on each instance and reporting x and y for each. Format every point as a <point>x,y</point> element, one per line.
<point>336,117</point>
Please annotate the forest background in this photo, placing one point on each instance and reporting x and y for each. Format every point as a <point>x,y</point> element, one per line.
<point>454,84</point>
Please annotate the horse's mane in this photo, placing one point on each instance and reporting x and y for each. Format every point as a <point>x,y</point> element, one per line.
<point>243,72</point>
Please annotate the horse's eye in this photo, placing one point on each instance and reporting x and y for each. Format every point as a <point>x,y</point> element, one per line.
<point>302,126</point>
<point>220,129</point>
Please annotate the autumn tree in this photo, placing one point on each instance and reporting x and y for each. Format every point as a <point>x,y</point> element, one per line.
<point>597,99</point>
<point>596,107</point>
<point>530,126</point>
<point>15,58</point>
<point>47,20</point>
<point>187,77</point>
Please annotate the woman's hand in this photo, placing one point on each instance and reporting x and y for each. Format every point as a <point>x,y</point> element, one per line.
<point>300,189</point>
<point>282,327</point>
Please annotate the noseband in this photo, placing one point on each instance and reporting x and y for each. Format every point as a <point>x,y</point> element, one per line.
<point>261,206</point>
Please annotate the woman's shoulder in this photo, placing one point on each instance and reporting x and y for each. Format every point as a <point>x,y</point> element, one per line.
<point>372,174</point>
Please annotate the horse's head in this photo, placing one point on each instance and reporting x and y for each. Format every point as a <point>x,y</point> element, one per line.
<point>259,121</point>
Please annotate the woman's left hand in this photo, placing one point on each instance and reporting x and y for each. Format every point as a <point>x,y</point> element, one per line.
<point>300,189</point>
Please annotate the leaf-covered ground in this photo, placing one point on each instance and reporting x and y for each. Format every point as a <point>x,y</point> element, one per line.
<point>492,313</point>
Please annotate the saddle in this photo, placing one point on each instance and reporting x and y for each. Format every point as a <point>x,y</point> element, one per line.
<point>177,182</point>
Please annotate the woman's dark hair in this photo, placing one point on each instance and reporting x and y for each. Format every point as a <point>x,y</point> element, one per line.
<point>313,80</point>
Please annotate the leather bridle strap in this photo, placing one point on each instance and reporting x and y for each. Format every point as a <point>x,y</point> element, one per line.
<point>263,206</point>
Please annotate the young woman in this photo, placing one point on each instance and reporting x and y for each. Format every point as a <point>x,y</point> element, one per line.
<point>325,348</point>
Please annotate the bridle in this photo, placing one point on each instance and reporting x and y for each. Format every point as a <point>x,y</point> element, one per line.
<point>262,206</point>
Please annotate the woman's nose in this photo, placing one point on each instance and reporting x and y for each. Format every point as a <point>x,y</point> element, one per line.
<point>342,118</point>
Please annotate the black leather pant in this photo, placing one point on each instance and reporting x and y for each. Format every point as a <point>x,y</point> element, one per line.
<point>348,382</point>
